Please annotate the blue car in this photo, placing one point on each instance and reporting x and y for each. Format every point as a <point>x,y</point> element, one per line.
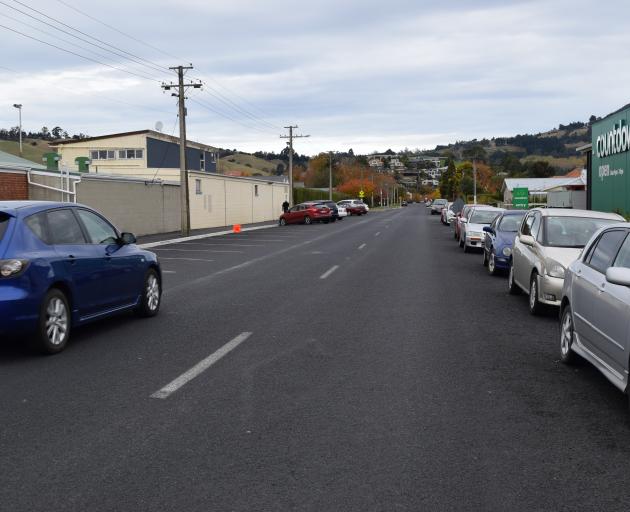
<point>499,238</point>
<point>63,265</point>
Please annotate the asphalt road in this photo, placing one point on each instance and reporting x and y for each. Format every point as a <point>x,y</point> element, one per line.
<point>385,370</point>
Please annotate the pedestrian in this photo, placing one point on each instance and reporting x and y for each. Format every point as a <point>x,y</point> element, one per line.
<point>285,206</point>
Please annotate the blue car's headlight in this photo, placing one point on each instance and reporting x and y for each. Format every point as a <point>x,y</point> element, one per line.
<point>507,252</point>
<point>10,268</point>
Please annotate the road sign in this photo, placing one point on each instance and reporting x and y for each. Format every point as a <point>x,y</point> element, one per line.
<point>520,198</point>
<point>361,194</point>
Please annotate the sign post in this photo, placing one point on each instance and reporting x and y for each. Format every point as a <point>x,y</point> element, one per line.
<point>520,198</point>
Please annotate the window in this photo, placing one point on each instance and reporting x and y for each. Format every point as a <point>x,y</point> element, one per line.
<point>256,190</point>
<point>535,229</point>
<point>198,187</point>
<point>130,154</point>
<point>572,231</point>
<point>483,216</point>
<point>623,257</point>
<point>510,223</point>
<point>202,161</point>
<point>99,230</point>
<point>37,224</point>
<point>64,228</point>
<point>605,250</point>
<point>103,154</point>
<point>4,223</point>
<point>527,225</point>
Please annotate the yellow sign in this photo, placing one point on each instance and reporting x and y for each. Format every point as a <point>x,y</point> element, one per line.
<point>361,194</point>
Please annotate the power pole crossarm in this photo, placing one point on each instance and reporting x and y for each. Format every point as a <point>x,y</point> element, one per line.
<point>184,195</point>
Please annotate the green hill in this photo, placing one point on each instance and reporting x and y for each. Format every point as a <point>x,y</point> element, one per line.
<point>34,149</point>
<point>248,165</point>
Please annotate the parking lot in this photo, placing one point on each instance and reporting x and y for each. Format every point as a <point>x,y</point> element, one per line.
<point>367,364</point>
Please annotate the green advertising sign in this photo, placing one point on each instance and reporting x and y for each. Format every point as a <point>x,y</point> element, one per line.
<point>610,184</point>
<point>520,198</point>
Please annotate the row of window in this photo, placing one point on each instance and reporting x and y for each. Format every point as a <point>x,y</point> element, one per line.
<point>63,227</point>
<point>116,154</point>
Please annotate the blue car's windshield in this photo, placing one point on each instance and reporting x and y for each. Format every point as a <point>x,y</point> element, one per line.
<point>4,223</point>
<point>511,223</point>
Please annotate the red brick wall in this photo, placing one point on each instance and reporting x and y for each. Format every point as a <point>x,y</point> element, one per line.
<point>13,186</point>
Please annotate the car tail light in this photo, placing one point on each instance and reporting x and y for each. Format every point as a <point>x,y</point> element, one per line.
<point>10,268</point>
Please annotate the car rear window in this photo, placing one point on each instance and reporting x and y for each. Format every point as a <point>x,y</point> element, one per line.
<point>483,216</point>
<point>511,222</point>
<point>37,224</point>
<point>4,223</point>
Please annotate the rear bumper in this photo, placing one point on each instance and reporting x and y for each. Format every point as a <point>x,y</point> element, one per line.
<point>19,311</point>
<point>474,242</point>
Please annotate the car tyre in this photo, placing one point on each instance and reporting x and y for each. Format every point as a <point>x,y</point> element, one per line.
<point>535,307</point>
<point>151,297</point>
<point>567,335</point>
<point>307,220</point>
<point>485,258</point>
<point>492,264</point>
<point>461,242</point>
<point>55,322</point>
<point>283,222</point>
<point>513,288</point>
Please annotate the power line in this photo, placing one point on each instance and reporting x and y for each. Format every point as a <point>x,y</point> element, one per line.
<point>117,30</point>
<point>78,54</point>
<point>228,117</point>
<point>119,51</point>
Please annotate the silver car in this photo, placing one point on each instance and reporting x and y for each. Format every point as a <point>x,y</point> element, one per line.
<point>596,305</point>
<point>548,241</point>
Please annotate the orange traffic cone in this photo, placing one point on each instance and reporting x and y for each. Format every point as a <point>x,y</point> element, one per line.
<point>237,228</point>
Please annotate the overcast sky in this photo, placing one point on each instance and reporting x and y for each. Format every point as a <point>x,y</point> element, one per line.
<point>354,74</point>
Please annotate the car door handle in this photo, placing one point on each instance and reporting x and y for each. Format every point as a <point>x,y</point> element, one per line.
<point>72,259</point>
<point>602,288</point>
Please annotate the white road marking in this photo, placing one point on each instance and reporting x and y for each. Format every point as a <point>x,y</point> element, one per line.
<point>200,367</point>
<point>362,246</point>
<point>377,233</point>
<point>184,259</point>
<point>200,237</point>
<point>193,250</point>
<point>202,244</point>
<point>168,272</point>
<point>328,272</point>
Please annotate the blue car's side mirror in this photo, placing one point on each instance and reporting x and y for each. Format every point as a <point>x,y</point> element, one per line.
<point>488,229</point>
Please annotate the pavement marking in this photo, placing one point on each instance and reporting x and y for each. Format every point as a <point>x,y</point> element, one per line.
<point>202,244</point>
<point>200,237</point>
<point>168,272</point>
<point>362,246</point>
<point>193,250</point>
<point>377,233</point>
<point>184,259</point>
<point>328,272</point>
<point>200,367</point>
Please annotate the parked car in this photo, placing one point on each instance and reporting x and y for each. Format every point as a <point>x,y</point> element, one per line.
<point>341,212</point>
<point>462,215</point>
<point>403,203</point>
<point>354,206</point>
<point>63,265</point>
<point>334,209</point>
<point>498,240</point>
<point>471,231</point>
<point>306,213</point>
<point>548,241</point>
<point>444,212</point>
<point>595,305</point>
<point>437,205</point>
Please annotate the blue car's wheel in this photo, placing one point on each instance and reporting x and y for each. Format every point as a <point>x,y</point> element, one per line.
<point>54,322</point>
<point>151,295</point>
<point>492,264</point>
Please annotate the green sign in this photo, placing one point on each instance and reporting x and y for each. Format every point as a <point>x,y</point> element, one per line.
<point>520,198</point>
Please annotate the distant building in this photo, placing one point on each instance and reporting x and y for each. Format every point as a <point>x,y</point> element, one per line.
<point>146,153</point>
<point>540,186</point>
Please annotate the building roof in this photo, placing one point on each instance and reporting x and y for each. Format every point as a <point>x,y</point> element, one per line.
<point>575,173</point>
<point>151,133</point>
<point>540,184</point>
<point>15,162</point>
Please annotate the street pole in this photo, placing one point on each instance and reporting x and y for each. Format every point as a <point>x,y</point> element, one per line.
<point>474,181</point>
<point>19,107</point>
<point>330,177</point>
<point>291,137</point>
<point>372,194</point>
<point>184,195</point>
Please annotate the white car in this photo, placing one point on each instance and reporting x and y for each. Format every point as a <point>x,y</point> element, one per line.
<point>353,202</point>
<point>341,211</point>
<point>471,230</point>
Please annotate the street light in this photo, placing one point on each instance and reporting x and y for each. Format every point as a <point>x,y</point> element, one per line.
<point>19,107</point>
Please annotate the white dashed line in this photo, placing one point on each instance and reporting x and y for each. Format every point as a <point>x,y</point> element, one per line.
<point>328,272</point>
<point>200,367</point>
<point>362,246</point>
<point>377,233</point>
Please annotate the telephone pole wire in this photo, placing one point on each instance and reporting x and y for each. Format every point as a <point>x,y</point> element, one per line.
<point>184,195</point>
<point>291,137</point>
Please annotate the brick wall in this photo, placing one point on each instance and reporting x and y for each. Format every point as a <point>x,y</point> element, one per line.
<point>13,185</point>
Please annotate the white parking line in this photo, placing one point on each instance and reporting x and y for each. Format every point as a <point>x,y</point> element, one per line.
<point>184,259</point>
<point>200,237</point>
<point>362,246</point>
<point>192,250</point>
<point>200,367</point>
<point>224,245</point>
<point>168,272</point>
<point>328,272</point>
<point>377,233</point>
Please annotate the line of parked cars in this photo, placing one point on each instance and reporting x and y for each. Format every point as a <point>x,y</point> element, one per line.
<point>573,262</point>
<point>323,211</point>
